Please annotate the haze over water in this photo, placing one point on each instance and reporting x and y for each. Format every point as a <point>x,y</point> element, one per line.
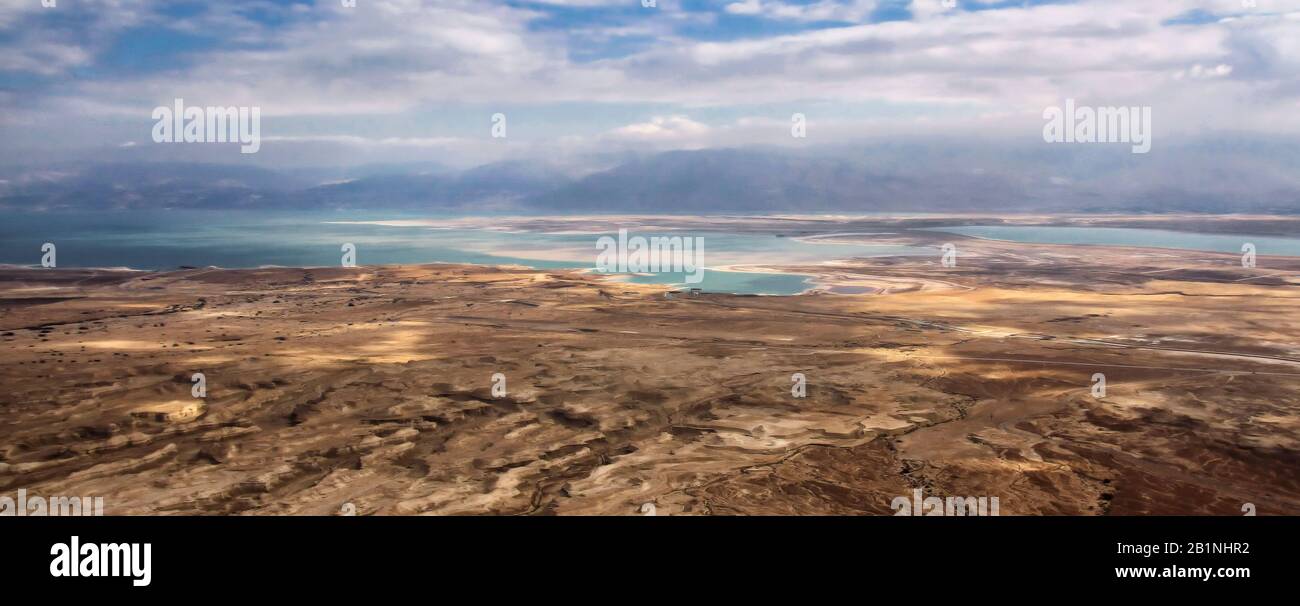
<point>1124,236</point>
<point>163,240</point>
<point>170,239</point>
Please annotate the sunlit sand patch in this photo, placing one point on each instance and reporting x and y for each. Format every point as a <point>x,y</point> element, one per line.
<point>398,346</point>
<point>1010,443</point>
<point>23,290</point>
<point>210,360</point>
<point>1277,420</point>
<point>120,345</point>
<point>887,354</point>
<point>628,447</point>
<point>174,411</point>
<point>749,427</point>
<point>388,347</point>
<point>886,422</point>
<point>128,306</point>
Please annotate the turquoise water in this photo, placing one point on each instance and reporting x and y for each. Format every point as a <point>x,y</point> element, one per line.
<point>732,282</point>
<point>170,239</point>
<point>1117,236</point>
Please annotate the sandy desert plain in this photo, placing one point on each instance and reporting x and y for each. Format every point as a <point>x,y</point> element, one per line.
<point>371,386</point>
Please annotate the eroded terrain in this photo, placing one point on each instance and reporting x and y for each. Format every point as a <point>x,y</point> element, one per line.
<point>373,386</point>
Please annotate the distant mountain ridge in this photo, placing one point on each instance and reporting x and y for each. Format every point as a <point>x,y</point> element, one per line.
<point>900,177</point>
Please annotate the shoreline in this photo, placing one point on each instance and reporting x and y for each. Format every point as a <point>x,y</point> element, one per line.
<point>373,386</point>
<point>838,271</point>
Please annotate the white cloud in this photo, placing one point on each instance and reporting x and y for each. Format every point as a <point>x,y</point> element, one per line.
<point>54,51</point>
<point>957,70</point>
<point>1201,72</point>
<point>367,141</point>
<point>663,128</point>
<point>823,10</point>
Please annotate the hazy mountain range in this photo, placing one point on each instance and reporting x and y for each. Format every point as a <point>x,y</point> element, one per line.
<point>1189,176</point>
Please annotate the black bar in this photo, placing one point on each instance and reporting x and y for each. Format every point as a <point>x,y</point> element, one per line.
<point>321,555</point>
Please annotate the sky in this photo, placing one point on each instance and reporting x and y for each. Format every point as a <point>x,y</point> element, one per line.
<point>420,80</point>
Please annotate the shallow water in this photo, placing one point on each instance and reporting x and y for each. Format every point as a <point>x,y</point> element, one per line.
<point>170,239</point>
<point>1123,236</point>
